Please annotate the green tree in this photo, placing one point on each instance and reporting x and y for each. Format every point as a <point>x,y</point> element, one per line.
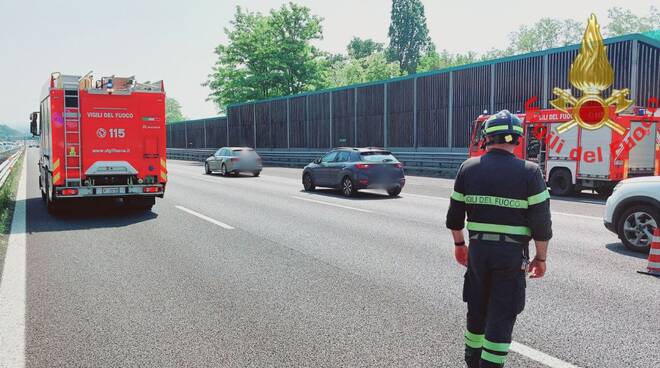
<point>173,111</point>
<point>408,33</point>
<point>545,34</point>
<point>372,68</point>
<point>359,48</point>
<point>267,55</point>
<point>433,60</point>
<point>622,21</point>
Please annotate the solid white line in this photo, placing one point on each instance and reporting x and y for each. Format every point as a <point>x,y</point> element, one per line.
<point>575,215</point>
<point>423,196</point>
<point>203,217</point>
<point>539,356</point>
<point>332,204</point>
<point>12,288</point>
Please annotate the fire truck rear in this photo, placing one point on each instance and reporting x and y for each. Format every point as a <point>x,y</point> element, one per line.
<point>579,158</point>
<point>103,138</point>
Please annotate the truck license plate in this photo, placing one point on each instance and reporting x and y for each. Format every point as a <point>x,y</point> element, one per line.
<point>109,190</point>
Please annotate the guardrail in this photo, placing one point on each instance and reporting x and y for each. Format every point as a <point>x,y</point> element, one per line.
<point>8,158</point>
<point>419,162</point>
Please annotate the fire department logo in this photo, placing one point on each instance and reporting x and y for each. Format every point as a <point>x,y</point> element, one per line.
<point>101,133</point>
<point>591,73</point>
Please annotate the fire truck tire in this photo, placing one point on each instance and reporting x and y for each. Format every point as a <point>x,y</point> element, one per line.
<point>561,183</point>
<point>44,196</point>
<point>52,204</point>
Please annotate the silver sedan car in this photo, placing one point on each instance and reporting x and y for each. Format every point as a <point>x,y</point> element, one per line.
<point>234,160</point>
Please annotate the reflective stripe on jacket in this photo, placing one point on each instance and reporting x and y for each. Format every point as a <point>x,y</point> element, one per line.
<point>501,194</point>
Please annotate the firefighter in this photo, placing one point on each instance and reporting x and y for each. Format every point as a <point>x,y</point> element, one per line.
<point>507,204</point>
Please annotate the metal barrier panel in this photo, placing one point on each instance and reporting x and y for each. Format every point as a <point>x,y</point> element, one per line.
<point>433,112</point>
<point>370,108</point>
<point>343,118</point>
<point>471,96</point>
<point>319,121</point>
<point>298,123</point>
<point>400,113</point>
<point>516,82</point>
<point>648,74</point>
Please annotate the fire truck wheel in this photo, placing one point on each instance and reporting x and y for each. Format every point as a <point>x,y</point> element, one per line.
<point>52,204</point>
<point>636,225</point>
<point>561,183</point>
<point>207,169</point>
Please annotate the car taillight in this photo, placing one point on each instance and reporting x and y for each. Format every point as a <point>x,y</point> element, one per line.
<point>362,166</point>
<point>69,192</point>
<point>151,189</point>
<point>398,165</point>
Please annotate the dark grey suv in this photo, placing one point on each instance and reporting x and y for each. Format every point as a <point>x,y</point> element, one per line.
<point>351,169</point>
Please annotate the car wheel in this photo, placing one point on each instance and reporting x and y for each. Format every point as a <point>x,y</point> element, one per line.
<point>394,192</point>
<point>207,169</point>
<point>256,173</point>
<point>636,226</point>
<point>308,182</point>
<point>347,187</point>
<point>223,170</point>
<point>561,183</point>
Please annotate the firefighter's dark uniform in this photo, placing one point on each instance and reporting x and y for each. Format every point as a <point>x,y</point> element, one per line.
<point>507,204</point>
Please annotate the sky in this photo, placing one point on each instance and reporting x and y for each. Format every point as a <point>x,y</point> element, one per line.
<point>174,40</point>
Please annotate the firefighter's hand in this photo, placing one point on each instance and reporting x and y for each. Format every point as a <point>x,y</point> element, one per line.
<point>461,254</point>
<point>536,269</point>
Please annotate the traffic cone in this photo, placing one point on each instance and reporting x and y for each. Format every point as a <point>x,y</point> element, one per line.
<point>653,267</point>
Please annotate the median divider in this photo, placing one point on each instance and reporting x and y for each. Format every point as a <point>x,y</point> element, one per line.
<point>443,164</point>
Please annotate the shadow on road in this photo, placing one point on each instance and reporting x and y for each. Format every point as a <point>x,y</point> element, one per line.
<point>621,249</point>
<point>83,215</point>
<point>359,196</point>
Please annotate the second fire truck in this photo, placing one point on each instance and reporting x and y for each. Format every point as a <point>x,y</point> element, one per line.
<point>579,158</point>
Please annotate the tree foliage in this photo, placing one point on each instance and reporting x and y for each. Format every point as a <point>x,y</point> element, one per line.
<point>623,21</point>
<point>173,111</point>
<point>359,48</point>
<point>267,55</point>
<point>433,60</point>
<point>374,67</point>
<point>408,33</point>
<point>545,34</point>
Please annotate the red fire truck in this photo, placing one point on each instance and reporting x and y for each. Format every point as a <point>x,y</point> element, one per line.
<point>103,138</point>
<point>581,158</point>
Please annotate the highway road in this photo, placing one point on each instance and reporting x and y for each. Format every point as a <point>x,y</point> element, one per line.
<point>254,272</point>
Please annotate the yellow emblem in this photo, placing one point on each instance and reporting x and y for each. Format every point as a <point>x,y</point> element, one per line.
<point>591,73</point>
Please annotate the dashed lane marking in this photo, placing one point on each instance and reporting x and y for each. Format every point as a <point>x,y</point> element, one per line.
<point>206,218</point>
<point>332,204</point>
<point>576,215</point>
<point>12,288</point>
<point>539,356</point>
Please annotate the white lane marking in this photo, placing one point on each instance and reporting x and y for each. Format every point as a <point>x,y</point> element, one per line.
<point>575,215</point>
<point>539,356</point>
<point>204,217</point>
<point>12,288</point>
<point>332,204</point>
<point>423,196</point>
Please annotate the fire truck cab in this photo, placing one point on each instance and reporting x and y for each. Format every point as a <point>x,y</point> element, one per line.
<point>103,138</point>
<point>579,158</point>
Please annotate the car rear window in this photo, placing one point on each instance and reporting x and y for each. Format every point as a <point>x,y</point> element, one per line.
<point>377,156</point>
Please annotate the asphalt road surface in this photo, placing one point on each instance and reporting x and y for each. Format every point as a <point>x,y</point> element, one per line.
<point>254,272</point>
